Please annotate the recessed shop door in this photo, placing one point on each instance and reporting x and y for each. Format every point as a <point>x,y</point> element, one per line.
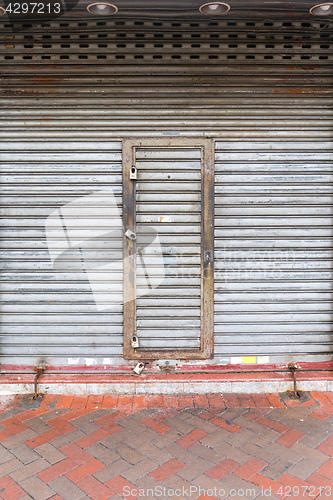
<point>168,200</point>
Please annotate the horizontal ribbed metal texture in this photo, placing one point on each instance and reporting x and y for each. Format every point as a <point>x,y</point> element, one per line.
<point>168,316</point>
<point>61,128</point>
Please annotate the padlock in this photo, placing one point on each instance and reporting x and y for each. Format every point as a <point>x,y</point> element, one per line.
<point>139,368</point>
<point>134,341</point>
<point>133,173</point>
<point>130,235</point>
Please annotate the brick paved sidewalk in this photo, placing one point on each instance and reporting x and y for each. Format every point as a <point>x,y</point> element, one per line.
<point>156,447</point>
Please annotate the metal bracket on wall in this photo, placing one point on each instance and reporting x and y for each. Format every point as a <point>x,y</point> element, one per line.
<point>167,365</point>
<point>39,369</point>
<point>293,368</point>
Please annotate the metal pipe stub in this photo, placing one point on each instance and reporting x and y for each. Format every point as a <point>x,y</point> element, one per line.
<point>39,371</point>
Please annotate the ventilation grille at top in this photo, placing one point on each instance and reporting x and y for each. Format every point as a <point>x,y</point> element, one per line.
<point>211,42</point>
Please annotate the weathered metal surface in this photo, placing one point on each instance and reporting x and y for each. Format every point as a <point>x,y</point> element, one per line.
<point>273,246</point>
<point>175,182</point>
<point>266,11</point>
<point>141,10</point>
<point>62,124</point>
<point>265,53</point>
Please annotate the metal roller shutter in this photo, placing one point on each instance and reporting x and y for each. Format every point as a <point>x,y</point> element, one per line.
<point>261,89</point>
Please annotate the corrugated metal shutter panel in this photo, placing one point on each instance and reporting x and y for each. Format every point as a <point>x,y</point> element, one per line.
<point>170,320</point>
<point>273,248</point>
<point>62,124</point>
<point>51,311</point>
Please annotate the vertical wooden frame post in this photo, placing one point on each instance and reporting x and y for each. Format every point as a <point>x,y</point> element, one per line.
<point>207,249</point>
<point>206,147</point>
<point>129,248</point>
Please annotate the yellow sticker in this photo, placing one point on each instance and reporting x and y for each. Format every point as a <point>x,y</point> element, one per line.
<point>249,360</point>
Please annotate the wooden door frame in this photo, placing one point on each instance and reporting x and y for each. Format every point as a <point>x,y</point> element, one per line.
<point>207,147</point>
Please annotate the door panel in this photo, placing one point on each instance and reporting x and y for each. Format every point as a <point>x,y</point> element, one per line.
<point>168,267</point>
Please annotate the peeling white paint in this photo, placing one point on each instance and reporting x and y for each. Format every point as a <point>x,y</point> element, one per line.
<point>262,360</point>
<point>236,360</point>
<point>73,361</point>
<point>90,361</point>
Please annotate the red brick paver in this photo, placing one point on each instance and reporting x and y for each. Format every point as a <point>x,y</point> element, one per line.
<point>250,468</point>
<point>222,469</point>
<point>9,490</point>
<point>167,469</point>
<point>191,438</point>
<point>95,489</point>
<point>290,437</point>
<point>101,447</point>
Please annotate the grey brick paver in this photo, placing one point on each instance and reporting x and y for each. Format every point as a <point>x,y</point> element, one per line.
<point>29,470</point>
<point>256,451</point>
<point>232,482</point>
<point>207,483</point>
<point>236,454</point>
<point>50,453</point>
<point>67,438</point>
<point>265,438</point>
<point>240,438</point>
<point>195,469</point>
<point>139,470</point>
<point>202,424</point>
<point>54,414</point>
<point>148,483</point>
<point>141,414</point>
<point>249,424</point>
<point>85,424</point>
<point>304,468</point>
<point>179,425</point>
<point>38,425</point>
<point>137,440</point>
<point>232,414</point>
<point>102,453</point>
<point>176,482</point>
<point>277,468</point>
<point>128,453</point>
<point>214,439</point>
<point>112,470</point>
<point>132,424</point>
<point>5,455</point>
<point>20,438</point>
<point>66,489</point>
<point>118,437</point>
<point>158,455</point>
<point>180,453</point>
<point>282,451</point>
<point>37,488</point>
<point>10,466</point>
<point>24,453</point>
<point>307,452</point>
<point>135,451</point>
<point>168,437</point>
<point>314,439</point>
<point>206,453</point>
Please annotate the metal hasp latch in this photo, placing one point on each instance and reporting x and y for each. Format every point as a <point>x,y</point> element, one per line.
<point>130,235</point>
<point>139,368</point>
<point>135,341</point>
<point>133,173</point>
